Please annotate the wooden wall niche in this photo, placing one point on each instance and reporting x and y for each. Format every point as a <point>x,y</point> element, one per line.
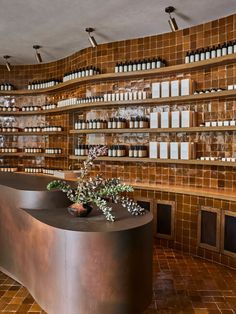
<point>228,232</point>
<point>209,228</point>
<point>164,219</point>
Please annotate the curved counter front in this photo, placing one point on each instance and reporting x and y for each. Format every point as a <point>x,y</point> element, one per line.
<point>73,265</point>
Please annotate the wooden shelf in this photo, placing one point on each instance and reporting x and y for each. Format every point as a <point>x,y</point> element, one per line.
<point>31,133</point>
<point>184,68</point>
<point>187,190</point>
<point>22,154</point>
<point>159,130</point>
<point>160,161</point>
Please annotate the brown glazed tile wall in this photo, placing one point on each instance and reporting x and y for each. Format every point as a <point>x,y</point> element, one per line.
<point>186,223</point>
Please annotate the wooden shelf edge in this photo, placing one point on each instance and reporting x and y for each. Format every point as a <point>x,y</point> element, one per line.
<point>161,161</point>
<point>127,75</point>
<point>226,195</point>
<point>159,130</point>
<point>22,154</point>
<point>31,133</point>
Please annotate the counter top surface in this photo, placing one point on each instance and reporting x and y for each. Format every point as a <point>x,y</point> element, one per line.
<point>27,182</point>
<point>94,222</point>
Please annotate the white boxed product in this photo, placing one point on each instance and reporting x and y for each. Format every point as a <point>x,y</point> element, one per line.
<point>113,97</point>
<point>219,123</point>
<point>226,123</point>
<point>174,150</point>
<point>164,150</point>
<point>232,123</point>
<point>230,87</point>
<point>174,88</point>
<point>121,96</point>
<point>153,150</point>
<point>187,119</point>
<point>165,89</point>
<point>186,87</point>
<point>154,120</point>
<point>208,123</point>
<point>156,90</point>
<point>175,119</point>
<point>187,150</point>
<point>213,123</point>
<point>165,119</point>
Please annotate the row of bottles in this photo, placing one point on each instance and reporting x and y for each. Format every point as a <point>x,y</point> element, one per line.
<point>117,151</point>
<point>138,122</point>
<point>219,123</point>
<point>8,109</point>
<point>134,151</point>
<point>49,106</point>
<point>43,129</point>
<point>42,84</point>
<point>125,96</point>
<point>82,150</point>
<point>33,150</point>
<point>8,169</point>
<point>6,86</point>
<point>211,52</point>
<point>83,72</point>
<point>113,123</point>
<point>40,170</point>
<point>138,151</point>
<point>77,101</point>
<point>209,90</point>
<point>9,129</point>
<point>49,171</point>
<point>30,108</point>
<point>140,65</point>
<point>228,159</point>
<point>33,170</point>
<point>53,151</point>
<point>90,124</point>
<point>8,150</point>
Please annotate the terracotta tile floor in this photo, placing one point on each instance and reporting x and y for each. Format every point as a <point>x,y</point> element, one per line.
<point>182,284</point>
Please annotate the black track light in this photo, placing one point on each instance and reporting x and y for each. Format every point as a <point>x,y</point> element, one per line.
<point>172,22</point>
<point>7,63</point>
<point>91,39</point>
<point>37,53</point>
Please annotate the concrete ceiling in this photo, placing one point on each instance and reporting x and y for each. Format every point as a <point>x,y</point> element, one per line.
<point>58,25</point>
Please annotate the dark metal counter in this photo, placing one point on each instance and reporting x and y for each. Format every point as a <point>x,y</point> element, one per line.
<point>73,265</point>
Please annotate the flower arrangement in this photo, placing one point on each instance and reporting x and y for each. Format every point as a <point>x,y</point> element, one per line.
<point>97,191</point>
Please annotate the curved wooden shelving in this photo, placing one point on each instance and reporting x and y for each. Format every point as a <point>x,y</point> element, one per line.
<point>161,161</point>
<point>145,102</point>
<point>159,130</point>
<point>127,75</point>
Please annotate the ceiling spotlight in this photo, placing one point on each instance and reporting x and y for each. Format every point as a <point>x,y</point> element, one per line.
<point>37,54</point>
<point>171,21</point>
<point>7,63</point>
<point>91,39</point>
